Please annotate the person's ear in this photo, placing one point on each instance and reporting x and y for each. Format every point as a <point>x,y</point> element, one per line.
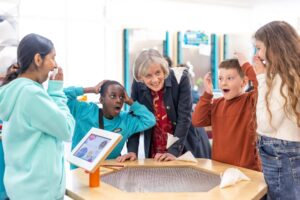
<point>101,100</point>
<point>38,59</point>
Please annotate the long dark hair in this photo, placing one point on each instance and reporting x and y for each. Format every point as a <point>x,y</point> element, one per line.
<point>29,46</point>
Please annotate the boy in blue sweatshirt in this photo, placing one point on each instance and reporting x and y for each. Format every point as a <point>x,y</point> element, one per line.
<point>112,98</point>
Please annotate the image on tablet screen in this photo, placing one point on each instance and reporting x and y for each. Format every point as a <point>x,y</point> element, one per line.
<point>92,147</point>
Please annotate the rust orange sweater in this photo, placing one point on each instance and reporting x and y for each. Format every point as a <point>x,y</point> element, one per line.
<point>233,125</point>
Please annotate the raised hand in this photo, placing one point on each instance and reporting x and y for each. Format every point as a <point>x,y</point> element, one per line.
<point>127,99</point>
<point>207,83</point>
<point>57,74</point>
<point>98,86</point>
<point>259,66</point>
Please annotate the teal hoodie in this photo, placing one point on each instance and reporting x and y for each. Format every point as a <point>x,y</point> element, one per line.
<point>2,188</point>
<point>35,124</point>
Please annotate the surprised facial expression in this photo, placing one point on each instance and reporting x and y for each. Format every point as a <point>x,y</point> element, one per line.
<point>113,100</point>
<point>231,83</point>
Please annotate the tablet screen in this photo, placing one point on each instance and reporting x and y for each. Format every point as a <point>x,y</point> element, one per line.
<point>92,147</point>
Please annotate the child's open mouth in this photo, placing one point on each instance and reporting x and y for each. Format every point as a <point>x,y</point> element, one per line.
<point>226,90</point>
<point>118,108</point>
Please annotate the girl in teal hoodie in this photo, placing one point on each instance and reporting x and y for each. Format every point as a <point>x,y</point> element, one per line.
<point>35,124</point>
<point>112,98</point>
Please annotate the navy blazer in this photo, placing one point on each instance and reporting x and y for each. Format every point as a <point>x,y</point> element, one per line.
<point>178,103</point>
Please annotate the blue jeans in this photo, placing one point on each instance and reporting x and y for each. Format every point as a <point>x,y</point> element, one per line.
<point>281,167</point>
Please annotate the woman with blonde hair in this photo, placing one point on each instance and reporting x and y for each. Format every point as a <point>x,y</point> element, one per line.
<point>168,96</point>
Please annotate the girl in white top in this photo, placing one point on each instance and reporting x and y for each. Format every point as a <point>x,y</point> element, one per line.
<point>278,111</point>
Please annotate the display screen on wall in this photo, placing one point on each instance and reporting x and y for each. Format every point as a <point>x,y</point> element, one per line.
<point>195,38</point>
<point>196,52</point>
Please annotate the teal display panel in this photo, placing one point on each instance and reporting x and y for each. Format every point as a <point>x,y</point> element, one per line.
<point>214,60</point>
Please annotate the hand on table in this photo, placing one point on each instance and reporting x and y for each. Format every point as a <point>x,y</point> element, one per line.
<point>129,156</point>
<point>164,157</point>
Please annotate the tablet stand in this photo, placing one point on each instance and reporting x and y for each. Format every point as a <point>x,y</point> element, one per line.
<point>94,179</point>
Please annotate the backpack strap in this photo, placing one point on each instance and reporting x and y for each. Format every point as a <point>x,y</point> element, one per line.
<point>101,124</point>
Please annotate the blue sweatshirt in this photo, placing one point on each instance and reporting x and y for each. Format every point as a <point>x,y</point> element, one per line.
<point>35,124</point>
<point>87,116</point>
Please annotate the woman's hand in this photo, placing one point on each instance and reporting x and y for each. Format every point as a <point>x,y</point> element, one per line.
<point>164,157</point>
<point>207,83</point>
<point>129,156</point>
<point>57,74</point>
<point>127,99</point>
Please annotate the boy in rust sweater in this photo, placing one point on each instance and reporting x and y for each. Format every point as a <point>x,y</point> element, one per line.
<point>233,116</point>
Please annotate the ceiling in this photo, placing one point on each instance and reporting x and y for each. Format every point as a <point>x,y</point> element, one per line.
<point>239,3</point>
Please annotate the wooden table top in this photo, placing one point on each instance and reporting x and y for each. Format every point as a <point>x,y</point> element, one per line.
<point>78,183</point>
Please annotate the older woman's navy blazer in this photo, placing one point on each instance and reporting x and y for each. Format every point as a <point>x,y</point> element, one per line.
<point>178,103</point>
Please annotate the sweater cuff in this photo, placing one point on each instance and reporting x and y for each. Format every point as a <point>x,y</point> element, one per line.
<point>261,78</point>
<point>55,85</point>
<point>135,106</point>
<point>79,91</point>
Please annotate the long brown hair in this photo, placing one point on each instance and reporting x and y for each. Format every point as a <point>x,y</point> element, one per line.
<point>282,44</point>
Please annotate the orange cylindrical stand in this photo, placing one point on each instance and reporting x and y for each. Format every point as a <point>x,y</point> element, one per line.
<point>95,178</point>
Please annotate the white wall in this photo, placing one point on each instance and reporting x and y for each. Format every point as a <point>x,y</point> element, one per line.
<point>76,28</point>
<point>168,15</point>
<point>287,10</point>
<point>88,33</point>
